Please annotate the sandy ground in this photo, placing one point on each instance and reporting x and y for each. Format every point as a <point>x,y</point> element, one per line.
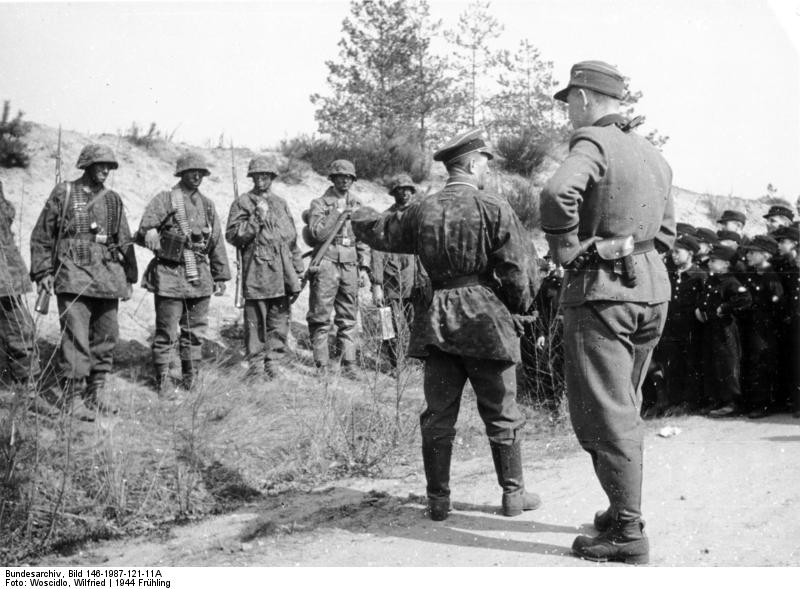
<point>719,493</point>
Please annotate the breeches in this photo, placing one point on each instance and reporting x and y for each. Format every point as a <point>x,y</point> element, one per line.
<point>333,288</point>
<point>191,316</point>
<point>266,327</point>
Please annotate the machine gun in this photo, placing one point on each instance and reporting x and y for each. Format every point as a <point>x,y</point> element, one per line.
<point>313,267</point>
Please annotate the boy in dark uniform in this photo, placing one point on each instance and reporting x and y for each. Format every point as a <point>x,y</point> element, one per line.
<point>786,266</point>
<point>723,295</point>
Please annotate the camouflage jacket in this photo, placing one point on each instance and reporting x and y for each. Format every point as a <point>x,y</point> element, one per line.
<point>168,279</point>
<point>612,184</point>
<point>400,275</point>
<point>82,265</point>
<point>458,233</point>
<point>322,217</point>
<point>271,261</point>
<point>14,278</point>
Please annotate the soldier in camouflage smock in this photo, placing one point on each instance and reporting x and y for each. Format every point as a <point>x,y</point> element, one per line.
<point>344,268</point>
<point>261,226</point>
<point>16,325</point>
<point>182,227</point>
<point>482,272</point>
<point>81,247</point>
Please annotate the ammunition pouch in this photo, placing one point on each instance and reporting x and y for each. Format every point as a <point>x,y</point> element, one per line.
<point>173,245</point>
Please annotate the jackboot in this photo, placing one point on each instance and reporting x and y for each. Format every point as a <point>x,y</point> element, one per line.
<point>436,458</point>
<point>96,396</point>
<point>603,520</point>
<point>508,465</point>
<point>190,371</point>
<point>624,541</point>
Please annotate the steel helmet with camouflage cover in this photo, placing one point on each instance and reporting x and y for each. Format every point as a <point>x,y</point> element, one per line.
<point>401,181</point>
<point>262,165</point>
<point>192,161</point>
<point>94,153</point>
<point>342,168</point>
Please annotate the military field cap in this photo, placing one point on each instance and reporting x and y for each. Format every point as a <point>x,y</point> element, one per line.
<point>721,252</point>
<point>763,243</point>
<point>687,242</point>
<point>594,75</point>
<point>94,153</point>
<point>724,234</point>
<point>792,232</point>
<point>732,216</point>
<point>342,168</point>
<point>468,142</point>
<point>191,161</point>
<point>401,181</point>
<point>685,229</point>
<point>780,210</point>
<point>704,235</point>
<point>262,165</point>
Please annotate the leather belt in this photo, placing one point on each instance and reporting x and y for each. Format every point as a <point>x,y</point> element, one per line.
<point>642,247</point>
<point>460,282</point>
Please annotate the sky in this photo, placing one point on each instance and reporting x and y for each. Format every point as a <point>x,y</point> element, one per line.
<point>721,78</point>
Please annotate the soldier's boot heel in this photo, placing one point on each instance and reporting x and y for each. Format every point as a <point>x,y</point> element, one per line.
<point>436,457</point>
<point>508,466</point>
<point>603,520</point>
<point>623,542</point>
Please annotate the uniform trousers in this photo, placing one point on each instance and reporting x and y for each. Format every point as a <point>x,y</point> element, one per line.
<point>607,349</point>
<point>266,328</point>
<point>17,339</point>
<point>759,362</point>
<point>89,334</point>
<point>495,385</point>
<point>722,353</point>
<point>333,288</point>
<point>191,316</point>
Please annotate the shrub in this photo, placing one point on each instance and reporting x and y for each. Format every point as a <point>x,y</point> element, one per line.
<point>13,150</point>
<point>523,152</point>
<point>523,196</point>
<point>136,135</point>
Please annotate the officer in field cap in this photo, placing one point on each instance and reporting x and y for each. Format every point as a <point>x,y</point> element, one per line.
<point>482,270</point>
<point>182,227</point>
<point>81,248</point>
<point>778,216</point>
<point>344,268</point>
<point>614,186</point>
<point>261,226</point>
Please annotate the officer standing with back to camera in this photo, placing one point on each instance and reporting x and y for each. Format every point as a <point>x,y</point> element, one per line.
<point>81,248</point>
<point>261,226</point>
<point>190,264</point>
<point>605,211</point>
<point>334,287</point>
<point>482,270</point>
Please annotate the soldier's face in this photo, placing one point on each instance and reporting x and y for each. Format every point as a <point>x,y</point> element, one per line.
<point>577,108</point>
<point>480,169</point>
<point>776,221</point>
<point>262,181</point>
<point>717,266</point>
<point>342,182</point>
<point>98,172</point>
<point>680,256</point>
<point>192,179</point>
<point>734,226</point>
<point>704,248</point>
<point>786,246</point>
<point>402,195</point>
<point>728,243</point>
<point>755,258</point>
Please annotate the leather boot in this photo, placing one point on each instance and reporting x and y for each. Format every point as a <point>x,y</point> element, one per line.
<point>436,458</point>
<point>508,465</point>
<point>190,371</point>
<point>66,396</point>
<point>96,395</point>
<point>164,383</point>
<point>624,541</point>
<point>603,520</point>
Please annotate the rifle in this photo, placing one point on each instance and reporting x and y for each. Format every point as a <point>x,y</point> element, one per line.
<point>58,158</point>
<point>238,297</point>
<point>313,267</point>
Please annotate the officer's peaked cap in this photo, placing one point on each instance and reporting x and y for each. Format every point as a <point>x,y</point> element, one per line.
<point>468,142</point>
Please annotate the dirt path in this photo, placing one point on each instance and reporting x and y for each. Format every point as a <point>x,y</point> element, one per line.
<point>718,493</point>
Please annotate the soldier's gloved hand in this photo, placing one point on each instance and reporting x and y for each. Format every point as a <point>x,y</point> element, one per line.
<point>377,295</point>
<point>219,289</point>
<point>128,292</point>
<point>46,283</point>
<point>363,278</point>
<point>701,317</point>
<point>151,239</point>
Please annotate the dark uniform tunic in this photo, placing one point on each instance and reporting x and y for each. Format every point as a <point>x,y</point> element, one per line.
<point>789,271</point>
<point>271,268</point>
<point>335,286</point>
<point>480,264</point>
<point>612,184</point>
<point>679,350</point>
<point>179,301</point>
<point>723,296</point>
<point>760,327</point>
<point>90,277</point>
<point>16,325</point>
